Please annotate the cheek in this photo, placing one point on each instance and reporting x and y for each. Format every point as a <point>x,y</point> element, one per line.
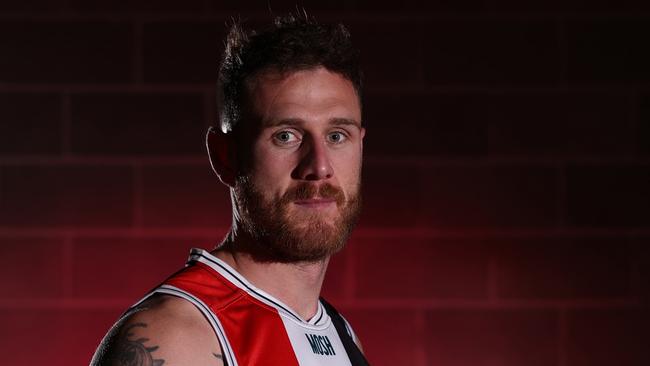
<point>270,172</point>
<point>349,170</point>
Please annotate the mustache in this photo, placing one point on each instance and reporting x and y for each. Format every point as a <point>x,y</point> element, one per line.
<point>305,191</point>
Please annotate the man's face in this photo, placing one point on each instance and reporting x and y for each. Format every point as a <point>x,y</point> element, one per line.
<point>299,194</point>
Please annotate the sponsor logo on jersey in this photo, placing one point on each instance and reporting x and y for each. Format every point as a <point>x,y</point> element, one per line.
<point>320,345</point>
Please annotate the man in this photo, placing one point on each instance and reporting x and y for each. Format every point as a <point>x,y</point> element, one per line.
<point>289,147</point>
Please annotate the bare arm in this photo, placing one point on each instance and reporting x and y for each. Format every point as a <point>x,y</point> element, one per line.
<point>167,331</point>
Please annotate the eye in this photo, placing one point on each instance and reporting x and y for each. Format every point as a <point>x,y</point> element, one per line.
<point>285,137</point>
<point>336,137</point>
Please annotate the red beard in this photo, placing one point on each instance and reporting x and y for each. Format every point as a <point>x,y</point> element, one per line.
<point>283,236</point>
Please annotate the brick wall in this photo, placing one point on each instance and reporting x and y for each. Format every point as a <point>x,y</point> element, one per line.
<point>507,180</point>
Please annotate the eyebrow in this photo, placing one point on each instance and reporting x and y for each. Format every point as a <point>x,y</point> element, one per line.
<point>298,122</point>
<point>345,122</point>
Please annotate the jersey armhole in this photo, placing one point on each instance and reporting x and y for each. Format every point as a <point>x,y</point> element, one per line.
<point>215,324</point>
<point>348,328</point>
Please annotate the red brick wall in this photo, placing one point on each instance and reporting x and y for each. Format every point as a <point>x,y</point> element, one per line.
<point>507,179</point>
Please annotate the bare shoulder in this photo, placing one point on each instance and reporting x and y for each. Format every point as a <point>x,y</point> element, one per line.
<point>164,330</point>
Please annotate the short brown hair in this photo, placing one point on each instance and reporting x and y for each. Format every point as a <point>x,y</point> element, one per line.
<point>292,43</point>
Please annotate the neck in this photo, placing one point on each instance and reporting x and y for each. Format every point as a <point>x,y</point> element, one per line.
<point>296,284</point>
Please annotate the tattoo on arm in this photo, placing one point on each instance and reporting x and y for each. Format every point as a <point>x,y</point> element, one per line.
<point>133,352</point>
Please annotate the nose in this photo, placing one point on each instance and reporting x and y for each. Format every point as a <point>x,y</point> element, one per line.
<point>314,163</point>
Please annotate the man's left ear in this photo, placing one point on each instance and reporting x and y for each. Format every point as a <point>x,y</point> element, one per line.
<point>221,151</point>
<point>363,132</point>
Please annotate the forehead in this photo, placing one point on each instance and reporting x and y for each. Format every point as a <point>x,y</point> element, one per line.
<point>313,94</point>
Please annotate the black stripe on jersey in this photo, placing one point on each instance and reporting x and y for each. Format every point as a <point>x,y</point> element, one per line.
<point>249,288</point>
<point>355,355</point>
<point>320,317</point>
<point>204,310</point>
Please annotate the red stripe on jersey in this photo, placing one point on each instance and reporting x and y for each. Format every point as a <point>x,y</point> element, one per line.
<point>254,329</point>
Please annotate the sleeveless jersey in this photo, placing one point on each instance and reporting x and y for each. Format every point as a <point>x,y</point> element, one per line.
<point>253,327</point>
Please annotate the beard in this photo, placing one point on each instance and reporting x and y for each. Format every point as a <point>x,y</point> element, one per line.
<point>281,234</point>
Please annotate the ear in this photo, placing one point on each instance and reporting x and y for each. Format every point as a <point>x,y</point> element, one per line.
<point>221,151</point>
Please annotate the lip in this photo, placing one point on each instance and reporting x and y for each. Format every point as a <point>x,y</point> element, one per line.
<point>315,202</point>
